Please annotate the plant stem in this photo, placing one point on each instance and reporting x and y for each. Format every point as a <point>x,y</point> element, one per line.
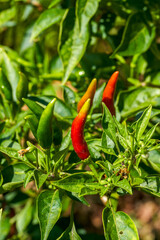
<point>48,160</point>
<point>36,158</point>
<point>117,147</point>
<point>133,65</point>
<point>7,109</point>
<point>120,59</point>
<point>92,167</point>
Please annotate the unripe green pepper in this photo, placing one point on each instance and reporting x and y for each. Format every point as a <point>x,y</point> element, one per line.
<point>22,87</point>
<point>5,86</point>
<point>44,131</point>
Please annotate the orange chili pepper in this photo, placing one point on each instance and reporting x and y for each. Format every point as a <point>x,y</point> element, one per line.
<point>88,94</point>
<point>108,94</point>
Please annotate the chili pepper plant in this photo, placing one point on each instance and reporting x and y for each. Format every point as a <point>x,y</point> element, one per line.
<point>79,114</point>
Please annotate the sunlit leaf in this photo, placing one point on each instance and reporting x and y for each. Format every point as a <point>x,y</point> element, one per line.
<point>45,20</point>
<point>49,209</point>
<point>118,226</point>
<point>137,36</point>
<point>75,34</point>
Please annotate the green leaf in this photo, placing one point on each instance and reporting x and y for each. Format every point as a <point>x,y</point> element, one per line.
<point>150,133</point>
<point>109,224</point>
<point>61,110</point>
<point>10,143</point>
<point>66,141</point>
<point>53,3</point>
<point>13,153</point>
<point>143,122</point>
<point>75,34</point>
<point>122,128</point>
<point>7,14</point>
<point>97,100</point>
<point>156,147</point>
<point>34,107</point>
<point>10,131</point>
<point>40,178</point>
<point>28,177</point>
<point>118,226</point>
<point>14,173</point>
<point>11,72</point>
<point>108,125</point>
<point>49,90</point>
<point>85,9</point>
<point>132,101</point>
<point>49,209</point>
<point>105,165</point>
<point>151,185</point>
<point>124,184</point>
<point>70,233</point>
<point>122,141</point>
<point>154,156</point>
<point>4,227</point>
<point>109,151</point>
<point>93,146</point>
<point>75,197</point>
<point>134,81</point>
<point>92,189</point>
<point>13,176</point>
<point>74,182</point>
<point>25,216</point>
<point>137,181</point>
<point>69,96</point>
<point>14,56</point>
<point>59,159</point>
<point>107,141</point>
<point>137,36</point>
<point>151,164</point>
<point>46,19</point>
<point>33,123</point>
<point>41,155</point>
<point>10,186</point>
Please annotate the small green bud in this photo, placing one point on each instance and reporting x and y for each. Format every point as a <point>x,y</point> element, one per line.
<point>103,182</point>
<point>145,156</point>
<point>109,179</point>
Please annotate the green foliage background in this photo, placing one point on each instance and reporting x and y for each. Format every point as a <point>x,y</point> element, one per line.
<point>61,45</point>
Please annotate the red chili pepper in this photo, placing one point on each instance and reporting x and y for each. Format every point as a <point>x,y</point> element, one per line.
<point>77,135</point>
<point>108,94</point>
<point>88,94</point>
